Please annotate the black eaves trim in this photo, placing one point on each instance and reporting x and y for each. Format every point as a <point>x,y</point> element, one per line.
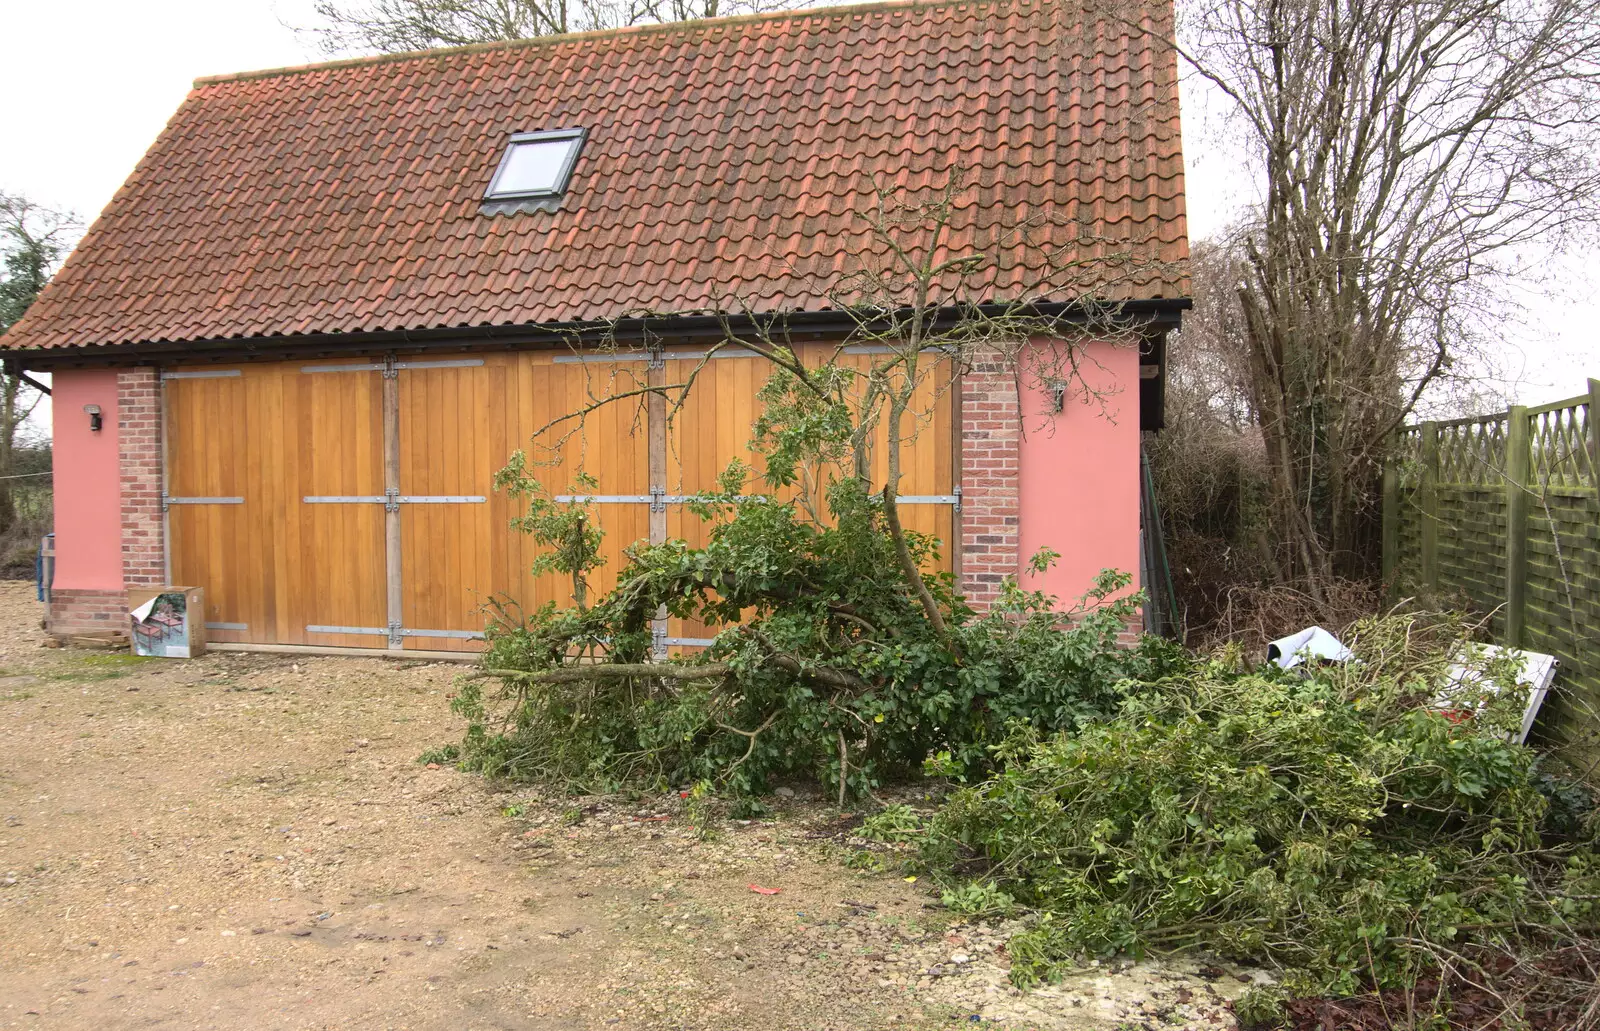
<point>1153,316</point>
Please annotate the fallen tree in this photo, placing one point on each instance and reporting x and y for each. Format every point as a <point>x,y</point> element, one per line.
<point>828,667</point>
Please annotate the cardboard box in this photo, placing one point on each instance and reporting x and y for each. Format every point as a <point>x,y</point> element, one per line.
<point>169,621</point>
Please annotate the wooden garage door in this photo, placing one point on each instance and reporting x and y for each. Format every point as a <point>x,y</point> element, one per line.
<point>216,501</point>
<point>447,459</point>
<point>332,492</point>
<point>408,505</point>
<point>714,427</point>
<point>350,503</point>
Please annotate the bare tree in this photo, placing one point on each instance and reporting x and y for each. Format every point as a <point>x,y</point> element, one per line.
<point>913,304</point>
<point>1208,371</point>
<point>32,241</point>
<point>393,26</point>
<point>1408,156</point>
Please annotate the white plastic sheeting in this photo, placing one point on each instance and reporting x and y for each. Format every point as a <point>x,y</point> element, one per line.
<point>1313,643</point>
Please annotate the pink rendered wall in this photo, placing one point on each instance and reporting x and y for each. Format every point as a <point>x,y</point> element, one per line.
<point>88,497</point>
<point>1079,475</point>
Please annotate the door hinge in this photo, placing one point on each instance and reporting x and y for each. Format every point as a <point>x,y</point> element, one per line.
<point>391,499</point>
<point>391,368</point>
<point>956,491</point>
<point>657,356</point>
<point>397,638</point>
<point>658,499</point>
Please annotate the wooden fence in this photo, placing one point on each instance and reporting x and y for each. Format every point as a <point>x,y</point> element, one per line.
<point>1501,513</point>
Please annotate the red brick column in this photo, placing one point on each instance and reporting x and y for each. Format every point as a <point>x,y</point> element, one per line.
<point>139,447</point>
<point>990,502</point>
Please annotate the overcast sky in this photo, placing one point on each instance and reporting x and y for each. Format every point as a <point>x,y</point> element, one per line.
<point>90,83</point>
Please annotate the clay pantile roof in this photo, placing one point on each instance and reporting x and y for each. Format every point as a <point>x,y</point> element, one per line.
<point>727,166</point>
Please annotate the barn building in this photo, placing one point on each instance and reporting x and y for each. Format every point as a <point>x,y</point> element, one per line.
<point>291,353</point>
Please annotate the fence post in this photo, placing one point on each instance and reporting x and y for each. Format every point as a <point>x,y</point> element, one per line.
<point>1391,519</point>
<point>1519,461</point>
<point>1594,435</point>
<point>1428,501</point>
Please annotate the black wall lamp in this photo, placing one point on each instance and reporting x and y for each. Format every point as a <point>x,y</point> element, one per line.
<point>95,422</point>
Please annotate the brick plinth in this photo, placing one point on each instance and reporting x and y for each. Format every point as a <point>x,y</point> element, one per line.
<point>139,450</point>
<point>82,612</point>
<point>990,499</point>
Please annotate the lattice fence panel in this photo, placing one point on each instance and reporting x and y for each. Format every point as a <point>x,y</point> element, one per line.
<point>1473,451</point>
<point>1407,457</point>
<point>1561,441</point>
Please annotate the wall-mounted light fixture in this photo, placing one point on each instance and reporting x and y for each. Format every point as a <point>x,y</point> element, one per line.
<point>95,421</point>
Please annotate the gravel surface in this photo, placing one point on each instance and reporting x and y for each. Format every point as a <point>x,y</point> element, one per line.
<point>249,841</point>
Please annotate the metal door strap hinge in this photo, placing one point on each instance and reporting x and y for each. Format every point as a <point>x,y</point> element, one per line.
<point>957,492</point>
<point>397,638</point>
<point>658,357</point>
<point>391,499</point>
<point>391,368</point>
<point>658,499</point>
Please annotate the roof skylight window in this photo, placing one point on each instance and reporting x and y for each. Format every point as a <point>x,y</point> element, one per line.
<point>536,164</point>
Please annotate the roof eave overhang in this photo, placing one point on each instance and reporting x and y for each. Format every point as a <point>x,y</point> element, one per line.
<point>1150,317</point>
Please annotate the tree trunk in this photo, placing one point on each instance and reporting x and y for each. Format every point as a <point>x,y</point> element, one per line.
<point>899,398</point>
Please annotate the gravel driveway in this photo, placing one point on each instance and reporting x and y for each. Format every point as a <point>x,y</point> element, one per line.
<point>248,841</point>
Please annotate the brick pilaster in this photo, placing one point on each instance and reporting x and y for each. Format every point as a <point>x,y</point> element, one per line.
<point>990,499</point>
<point>139,451</point>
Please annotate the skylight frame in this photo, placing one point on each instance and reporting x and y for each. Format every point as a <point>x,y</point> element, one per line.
<point>563,177</point>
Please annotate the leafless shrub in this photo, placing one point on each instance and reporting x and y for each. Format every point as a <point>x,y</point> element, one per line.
<point>1252,614</point>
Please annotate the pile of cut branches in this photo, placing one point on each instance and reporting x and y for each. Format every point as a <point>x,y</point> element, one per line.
<point>1328,823</point>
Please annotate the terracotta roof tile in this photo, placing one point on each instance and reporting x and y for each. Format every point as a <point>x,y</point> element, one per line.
<point>726,164</point>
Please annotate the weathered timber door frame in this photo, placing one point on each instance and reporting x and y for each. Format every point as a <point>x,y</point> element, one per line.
<point>392,499</point>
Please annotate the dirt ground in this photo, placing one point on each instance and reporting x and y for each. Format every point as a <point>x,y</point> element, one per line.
<point>249,841</point>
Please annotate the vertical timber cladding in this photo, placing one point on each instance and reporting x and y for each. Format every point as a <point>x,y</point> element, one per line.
<point>609,443</point>
<point>213,499</point>
<point>333,503</point>
<point>422,495</point>
<point>446,460</point>
<point>350,503</point>
<point>244,447</point>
